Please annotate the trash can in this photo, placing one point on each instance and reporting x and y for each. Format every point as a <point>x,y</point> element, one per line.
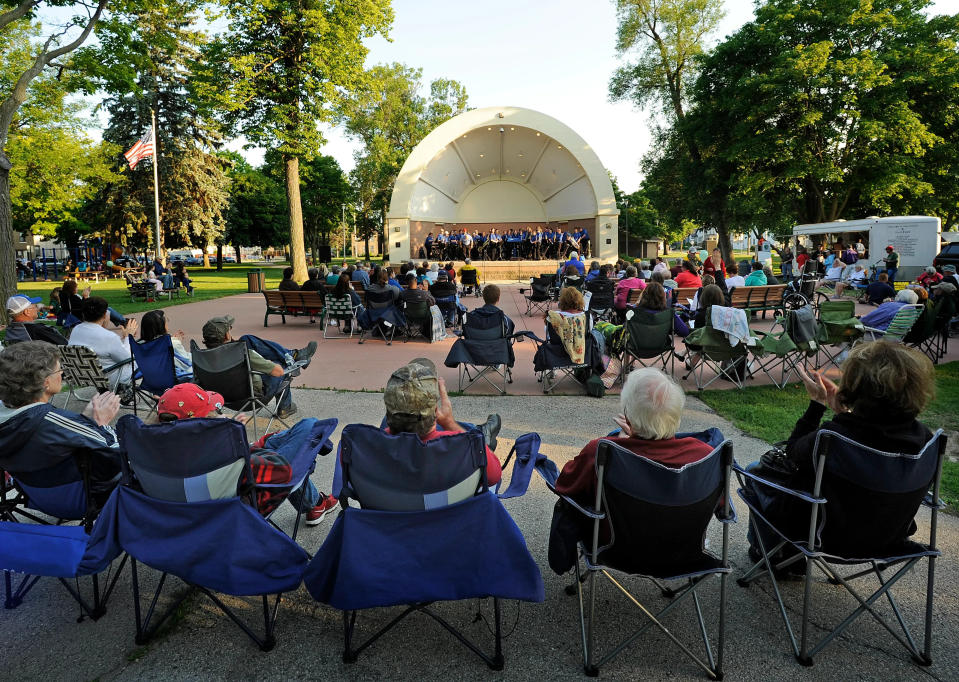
<point>255,281</point>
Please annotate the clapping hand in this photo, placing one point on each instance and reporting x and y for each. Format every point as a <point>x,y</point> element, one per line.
<point>103,407</point>
<point>821,389</point>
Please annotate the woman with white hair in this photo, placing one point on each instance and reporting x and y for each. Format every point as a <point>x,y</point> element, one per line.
<point>881,317</point>
<point>652,405</point>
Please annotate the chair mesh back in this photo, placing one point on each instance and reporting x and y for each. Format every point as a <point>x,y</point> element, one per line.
<point>402,473</point>
<point>872,496</point>
<point>224,369</point>
<point>540,288</point>
<point>903,321</point>
<point>190,460</point>
<point>603,290</point>
<point>659,515</point>
<point>442,290</point>
<point>154,360</point>
<point>484,327</point>
<point>81,367</point>
<point>468,277</point>
<point>417,311</point>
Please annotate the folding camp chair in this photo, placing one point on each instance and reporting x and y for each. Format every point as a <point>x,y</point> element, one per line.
<point>900,326</point>
<point>839,328</point>
<point>601,301</point>
<point>81,369</point>
<point>485,351</point>
<point>338,309</point>
<point>782,352</point>
<point>445,295</point>
<point>419,320</point>
<point>539,297</point>
<point>648,336</point>
<point>861,511</point>
<point>226,370</point>
<point>154,367</point>
<point>39,548</point>
<point>380,317</point>
<point>469,283</point>
<point>175,523</point>
<point>656,518</point>
<point>552,359</point>
<point>436,532</point>
<point>716,353</point>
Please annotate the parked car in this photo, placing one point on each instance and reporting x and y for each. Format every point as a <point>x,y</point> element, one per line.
<point>949,255</point>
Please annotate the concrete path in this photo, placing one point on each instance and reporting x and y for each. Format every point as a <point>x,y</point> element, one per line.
<point>42,641</point>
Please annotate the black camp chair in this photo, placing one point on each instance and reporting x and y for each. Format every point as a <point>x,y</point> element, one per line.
<point>469,283</point>
<point>485,351</point>
<point>861,512</point>
<point>381,317</point>
<point>539,297</point>
<point>553,365</point>
<point>602,294</point>
<point>226,370</point>
<point>656,518</point>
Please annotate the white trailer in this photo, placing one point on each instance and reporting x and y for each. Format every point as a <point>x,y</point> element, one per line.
<point>915,238</point>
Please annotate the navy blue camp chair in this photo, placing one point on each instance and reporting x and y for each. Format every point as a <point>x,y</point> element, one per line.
<point>38,547</point>
<point>380,317</point>
<point>861,512</point>
<point>653,522</point>
<point>154,370</point>
<point>188,473</point>
<point>485,351</point>
<point>428,529</point>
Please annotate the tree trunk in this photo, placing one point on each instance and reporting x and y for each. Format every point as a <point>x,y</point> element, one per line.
<point>8,266</point>
<point>239,256</point>
<point>291,167</point>
<point>219,256</point>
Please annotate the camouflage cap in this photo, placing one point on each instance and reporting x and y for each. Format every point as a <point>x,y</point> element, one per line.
<point>216,328</point>
<point>413,390</point>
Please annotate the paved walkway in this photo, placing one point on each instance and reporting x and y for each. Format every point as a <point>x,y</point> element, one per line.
<point>41,640</point>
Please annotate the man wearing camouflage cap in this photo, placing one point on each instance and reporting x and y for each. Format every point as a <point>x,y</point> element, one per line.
<point>417,402</point>
<point>267,358</point>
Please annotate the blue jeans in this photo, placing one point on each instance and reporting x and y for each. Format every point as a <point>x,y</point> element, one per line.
<point>891,272</point>
<point>305,497</point>
<point>116,318</point>
<point>274,352</point>
<point>788,270</point>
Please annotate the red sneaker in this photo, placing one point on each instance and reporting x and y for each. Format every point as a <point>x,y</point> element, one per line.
<point>316,515</point>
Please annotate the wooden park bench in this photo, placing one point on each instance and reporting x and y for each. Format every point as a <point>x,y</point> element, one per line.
<point>758,299</point>
<point>294,303</point>
<point>142,290</point>
<point>683,295</point>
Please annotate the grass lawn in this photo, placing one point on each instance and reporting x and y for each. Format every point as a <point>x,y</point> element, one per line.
<point>781,408</point>
<point>208,283</point>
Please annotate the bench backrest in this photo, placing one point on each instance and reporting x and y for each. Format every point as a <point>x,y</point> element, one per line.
<point>757,297</point>
<point>633,297</point>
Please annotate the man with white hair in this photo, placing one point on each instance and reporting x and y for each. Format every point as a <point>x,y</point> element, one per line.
<point>652,406</point>
<point>22,311</point>
<point>881,317</point>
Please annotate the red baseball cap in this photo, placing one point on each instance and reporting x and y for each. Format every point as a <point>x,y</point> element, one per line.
<point>889,248</point>
<point>184,401</point>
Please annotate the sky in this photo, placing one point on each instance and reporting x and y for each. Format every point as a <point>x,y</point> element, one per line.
<point>554,56</point>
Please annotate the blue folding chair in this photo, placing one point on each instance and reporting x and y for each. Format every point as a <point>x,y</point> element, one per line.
<point>154,370</point>
<point>428,529</point>
<point>485,351</point>
<point>38,548</point>
<point>861,512</point>
<point>188,473</point>
<point>655,518</point>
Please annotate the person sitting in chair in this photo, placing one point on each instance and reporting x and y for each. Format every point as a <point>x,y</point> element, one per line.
<point>39,442</point>
<point>189,401</point>
<point>414,294</point>
<point>267,358</point>
<point>881,317</point>
<point>651,407</point>
<point>111,348</point>
<point>314,282</point>
<point>491,294</point>
<point>416,402</point>
<point>883,389</point>
<point>22,312</point>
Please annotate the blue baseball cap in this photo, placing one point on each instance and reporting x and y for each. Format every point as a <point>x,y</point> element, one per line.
<point>18,303</point>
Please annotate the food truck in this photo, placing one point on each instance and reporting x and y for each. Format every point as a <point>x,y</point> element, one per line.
<point>915,238</point>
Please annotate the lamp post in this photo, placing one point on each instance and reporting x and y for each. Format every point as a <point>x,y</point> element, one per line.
<point>343,228</point>
<point>627,228</point>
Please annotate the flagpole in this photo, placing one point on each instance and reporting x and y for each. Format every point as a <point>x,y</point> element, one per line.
<point>156,186</point>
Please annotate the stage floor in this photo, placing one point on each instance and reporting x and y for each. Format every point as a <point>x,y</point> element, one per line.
<point>508,270</point>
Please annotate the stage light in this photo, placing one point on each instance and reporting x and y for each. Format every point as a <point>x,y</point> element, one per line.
<point>482,155</point>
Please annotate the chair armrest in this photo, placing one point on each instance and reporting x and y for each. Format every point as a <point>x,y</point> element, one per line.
<point>107,370</point>
<point>582,510</point>
<point>740,472</point>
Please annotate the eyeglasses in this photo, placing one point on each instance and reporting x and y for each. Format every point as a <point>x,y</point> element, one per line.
<point>58,371</point>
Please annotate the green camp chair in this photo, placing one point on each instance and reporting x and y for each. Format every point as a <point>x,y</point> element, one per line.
<point>900,326</point>
<point>838,329</point>
<point>715,353</point>
<point>648,339</point>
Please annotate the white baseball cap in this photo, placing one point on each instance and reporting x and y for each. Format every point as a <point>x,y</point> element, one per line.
<point>18,303</point>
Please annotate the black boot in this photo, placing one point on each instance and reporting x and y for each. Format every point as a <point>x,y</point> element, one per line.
<point>490,429</point>
<point>305,354</point>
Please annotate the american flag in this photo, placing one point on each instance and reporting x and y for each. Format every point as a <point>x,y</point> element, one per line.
<point>142,149</point>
